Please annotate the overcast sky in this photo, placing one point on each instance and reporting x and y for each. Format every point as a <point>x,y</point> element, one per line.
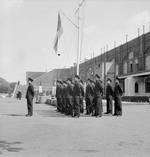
<point>28,28</point>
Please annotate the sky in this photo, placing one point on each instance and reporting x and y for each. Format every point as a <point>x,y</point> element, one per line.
<point>28,29</point>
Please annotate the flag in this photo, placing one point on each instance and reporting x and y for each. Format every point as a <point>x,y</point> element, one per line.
<point>58,33</point>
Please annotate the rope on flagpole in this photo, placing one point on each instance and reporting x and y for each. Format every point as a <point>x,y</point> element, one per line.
<point>68,19</point>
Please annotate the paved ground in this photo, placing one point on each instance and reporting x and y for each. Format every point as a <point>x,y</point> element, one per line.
<point>50,134</point>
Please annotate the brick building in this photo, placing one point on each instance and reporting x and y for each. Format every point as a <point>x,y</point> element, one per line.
<point>129,61</point>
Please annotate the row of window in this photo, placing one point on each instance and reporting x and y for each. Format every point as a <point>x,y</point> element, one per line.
<point>132,65</point>
<point>147,86</point>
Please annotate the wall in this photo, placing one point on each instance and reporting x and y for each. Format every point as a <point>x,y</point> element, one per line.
<point>136,51</point>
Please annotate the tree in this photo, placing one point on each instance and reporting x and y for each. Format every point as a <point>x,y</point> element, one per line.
<point>4,86</point>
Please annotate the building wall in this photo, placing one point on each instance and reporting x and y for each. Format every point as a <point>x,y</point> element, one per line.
<point>130,86</point>
<point>130,58</point>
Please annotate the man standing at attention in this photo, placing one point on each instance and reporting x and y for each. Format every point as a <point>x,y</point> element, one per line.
<point>77,93</point>
<point>117,98</point>
<point>58,95</point>
<point>89,97</point>
<point>98,96</point>
<point>109,95</point>
<point>29,97</point>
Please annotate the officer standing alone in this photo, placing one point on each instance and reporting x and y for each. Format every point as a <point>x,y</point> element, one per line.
<point>29,97</point>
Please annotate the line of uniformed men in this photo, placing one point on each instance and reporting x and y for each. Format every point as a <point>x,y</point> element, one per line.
<point>70,96</point>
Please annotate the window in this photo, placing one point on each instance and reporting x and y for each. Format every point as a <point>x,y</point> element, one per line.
<point>131,55</point>
<point>131,67</point>
<point>136,87</point>
<point>117,69</point>
<point>136,65</point>
<point>147,62</point>
<point>125,68</point>
<point>147,85</point>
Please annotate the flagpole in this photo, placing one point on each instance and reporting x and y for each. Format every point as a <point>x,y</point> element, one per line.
<point>78,46</point>
<point>78,33</point>
<point>78,37</point>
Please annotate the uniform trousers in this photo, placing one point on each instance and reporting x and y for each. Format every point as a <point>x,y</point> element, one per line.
<point>118,106</point>
<point>77,106</point>
<point>109,104</point>
<point>98,106</point>
<point>30,106</point>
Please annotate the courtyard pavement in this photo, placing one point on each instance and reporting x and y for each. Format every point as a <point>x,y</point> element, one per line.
<point>51,134</point>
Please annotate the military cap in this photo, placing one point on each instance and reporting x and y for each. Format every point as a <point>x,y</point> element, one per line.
<point>97,76</point>
<point>81,81</point>
<point>77,76</point>
<point>69,79</point>
<point>92,81</point>
<point>65,82</point>
<point>30,79</point>
<point>89,79</point>
<point>109,79</point>
<point>117,78</point>
<point>60,81</point>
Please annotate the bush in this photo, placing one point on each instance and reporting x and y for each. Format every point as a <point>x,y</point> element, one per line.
<point>135,98</point>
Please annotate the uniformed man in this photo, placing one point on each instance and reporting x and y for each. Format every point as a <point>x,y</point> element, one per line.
<point>58,95</point>
<point>70,96</point>
<point>109,96</point>
<point>61,95</point>
<point>81,97</point>
<point>64,97</point>
<point>89,97</point>
<point>117,98</point>
<point>98,96</point>
<point>29,97</point>
<point>93,106</point>
<point>73,109</point>
<point>77,93</point>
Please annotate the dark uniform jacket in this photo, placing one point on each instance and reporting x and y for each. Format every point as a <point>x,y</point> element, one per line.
<point>109,91</point>
<point>82,91</point>
<point>64,92</point>
<point>57,91</point>
<point>89,90</point>
<point>117,91</point>
<point>69,91</point>
<point>98,89</point>
<point>76,89</point>
<point>30,92</point>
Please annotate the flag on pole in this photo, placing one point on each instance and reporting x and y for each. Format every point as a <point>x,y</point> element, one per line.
<point>58,33</point>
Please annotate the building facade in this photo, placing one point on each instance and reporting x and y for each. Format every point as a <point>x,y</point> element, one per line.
<point>129,61</point>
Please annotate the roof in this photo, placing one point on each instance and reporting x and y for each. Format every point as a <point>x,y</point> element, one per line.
<point>34,75</point>
<point>135,75</point>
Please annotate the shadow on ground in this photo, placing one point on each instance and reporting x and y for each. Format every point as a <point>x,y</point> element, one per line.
<point>55,113</point>
<point>10,146</point>
<point>50,113</point>
<point>14,115</point>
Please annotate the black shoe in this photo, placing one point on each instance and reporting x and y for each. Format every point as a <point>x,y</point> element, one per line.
<point>114,114</point>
